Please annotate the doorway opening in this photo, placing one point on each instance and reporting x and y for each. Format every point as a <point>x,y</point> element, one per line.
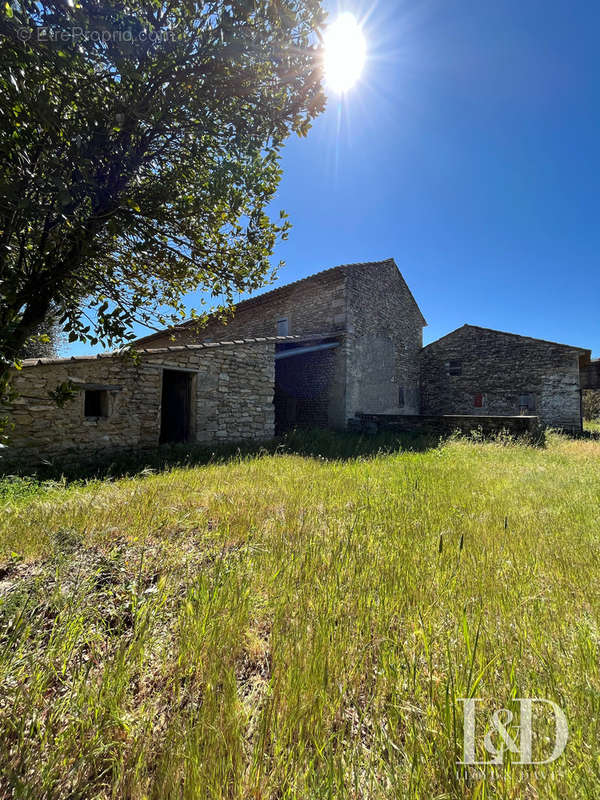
<point>175,422</point>
<point>304,375</point>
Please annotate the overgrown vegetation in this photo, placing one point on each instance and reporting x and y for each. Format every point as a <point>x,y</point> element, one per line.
<point>290,626</point>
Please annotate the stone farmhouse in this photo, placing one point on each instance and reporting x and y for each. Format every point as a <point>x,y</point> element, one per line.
<point>358,334</point>
<point>340,345</point>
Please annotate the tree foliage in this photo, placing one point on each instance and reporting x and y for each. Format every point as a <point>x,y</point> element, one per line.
<point>46,341</point>
<point>139,150</point>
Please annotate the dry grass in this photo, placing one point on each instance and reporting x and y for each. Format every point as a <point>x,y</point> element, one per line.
<point>293,627</point>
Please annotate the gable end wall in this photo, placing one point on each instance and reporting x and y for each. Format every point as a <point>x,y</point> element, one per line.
<point>501,368</point>
<point>385,337</point>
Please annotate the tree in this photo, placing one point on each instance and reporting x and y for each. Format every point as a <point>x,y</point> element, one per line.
<point>46,341</point>
<point>139,150</point>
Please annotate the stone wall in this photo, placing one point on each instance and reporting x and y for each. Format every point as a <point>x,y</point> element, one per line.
<point>313,305</point>
<point>375,368</point>
<point>385,336</point>
<point>231,400</point>
<point>445,425</point>
<point>498,373</point>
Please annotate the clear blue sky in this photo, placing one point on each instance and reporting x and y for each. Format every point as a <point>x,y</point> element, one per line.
<point>470,152</point>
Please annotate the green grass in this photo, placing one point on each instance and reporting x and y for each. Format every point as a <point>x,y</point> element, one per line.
<point>296,626</point>
<point>592,425</point>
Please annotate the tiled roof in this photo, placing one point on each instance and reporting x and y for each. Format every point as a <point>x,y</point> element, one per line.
<point>35,362</point>
<point>250,301</point>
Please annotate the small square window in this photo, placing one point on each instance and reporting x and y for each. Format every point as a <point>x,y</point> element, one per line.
<point>454,367</point>
<point>527,403</point>
<point>283,327</point>
<point>95,403</point>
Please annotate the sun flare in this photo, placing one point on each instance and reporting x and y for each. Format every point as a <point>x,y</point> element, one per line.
<point>345,51</point>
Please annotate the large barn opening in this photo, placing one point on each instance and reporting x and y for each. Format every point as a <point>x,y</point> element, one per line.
<point>304,376</point>
<point>175,423</point>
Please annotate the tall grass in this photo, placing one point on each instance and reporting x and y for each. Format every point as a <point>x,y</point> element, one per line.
<point>295,626</point>
<point>592,425</point>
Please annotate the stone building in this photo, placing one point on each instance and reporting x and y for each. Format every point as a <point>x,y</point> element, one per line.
<point>203,393</point>
<point>358,332</point>
<point>318,352</point>
<point>478,371</point>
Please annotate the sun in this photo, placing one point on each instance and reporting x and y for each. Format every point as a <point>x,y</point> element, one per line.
<point>345,52</point>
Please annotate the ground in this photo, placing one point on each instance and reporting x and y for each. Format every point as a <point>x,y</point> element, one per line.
<point>293,626</point>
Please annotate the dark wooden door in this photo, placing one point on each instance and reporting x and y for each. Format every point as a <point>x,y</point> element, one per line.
<point>176,401</point>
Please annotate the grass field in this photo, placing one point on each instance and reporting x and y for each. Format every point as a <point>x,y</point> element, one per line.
<point>287,626</point>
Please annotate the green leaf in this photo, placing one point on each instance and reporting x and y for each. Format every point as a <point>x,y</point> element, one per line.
<point>177,201</point>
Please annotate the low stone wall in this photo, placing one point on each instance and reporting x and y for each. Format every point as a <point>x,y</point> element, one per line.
<point>446,424</point>
<point>231,400</point>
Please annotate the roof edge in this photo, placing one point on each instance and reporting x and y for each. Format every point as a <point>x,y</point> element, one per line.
<point>257,299</point>
<point>40,362</point>
<point>408,289</point>
<point>508,333</point>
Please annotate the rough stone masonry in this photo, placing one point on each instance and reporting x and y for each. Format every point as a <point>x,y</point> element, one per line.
<point>230,399</point>
<point>478,371</point>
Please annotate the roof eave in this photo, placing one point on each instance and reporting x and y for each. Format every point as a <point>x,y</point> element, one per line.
<point>574,348</point>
